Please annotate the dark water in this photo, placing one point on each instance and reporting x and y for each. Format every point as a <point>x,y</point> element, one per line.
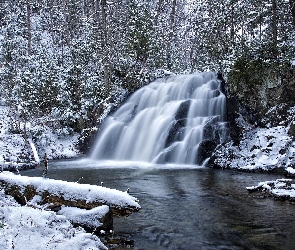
<point>190,208</point>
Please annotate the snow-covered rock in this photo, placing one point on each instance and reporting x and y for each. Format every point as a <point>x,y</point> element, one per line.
<point>86,218</point>
<point>281,189</point>
<point>260,149</point>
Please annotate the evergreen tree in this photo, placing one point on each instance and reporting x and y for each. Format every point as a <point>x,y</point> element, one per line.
<point>72,59</point>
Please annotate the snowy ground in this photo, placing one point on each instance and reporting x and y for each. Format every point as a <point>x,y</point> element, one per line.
<point>18,152</point>
<point>260,149</point>
<point>32,227</point>
<point>28,228</point>
<point>268,148</point>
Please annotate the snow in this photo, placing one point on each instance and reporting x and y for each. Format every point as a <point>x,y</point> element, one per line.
<point>290,170</point>
<point>73,191</point>
<point>28,228</point>
<point>17,151</point>
<point>31,227</point>
<point>89,218</point>
<point>260,148</point>
<point>36,156</point>
<point>280,188</point>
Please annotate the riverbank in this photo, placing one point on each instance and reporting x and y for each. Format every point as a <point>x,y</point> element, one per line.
<point>26,227</point>
<point>189,208</point>
<point>19,151</point>
<point>57,213</point>
<point>259,149</point>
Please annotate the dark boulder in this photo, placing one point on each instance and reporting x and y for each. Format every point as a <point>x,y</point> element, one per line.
<point>205,150</point>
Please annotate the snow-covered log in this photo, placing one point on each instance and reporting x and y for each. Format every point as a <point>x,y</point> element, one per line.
<point>58,192</point>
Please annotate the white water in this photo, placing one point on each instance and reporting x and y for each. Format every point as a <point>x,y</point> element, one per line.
<point>163,121</point>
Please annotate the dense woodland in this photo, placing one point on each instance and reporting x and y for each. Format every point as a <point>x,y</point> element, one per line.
<point>66,62</point>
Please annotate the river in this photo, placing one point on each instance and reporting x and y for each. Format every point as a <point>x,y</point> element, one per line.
<point>189,208</point>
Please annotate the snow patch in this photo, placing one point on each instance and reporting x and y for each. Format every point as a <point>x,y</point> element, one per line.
<point>36,156</point>
<point>34,229</point>
<point>89,218</point>
<point>290,170</point>
<point>18,152</point>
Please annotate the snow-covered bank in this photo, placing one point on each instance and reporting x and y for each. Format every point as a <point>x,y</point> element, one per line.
<point>32,226</point>
<point>261,149</point>
<point>29,228</point>
<point>19,151</point>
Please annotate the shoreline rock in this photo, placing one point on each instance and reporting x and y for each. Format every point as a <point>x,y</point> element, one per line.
<point>280,189</point>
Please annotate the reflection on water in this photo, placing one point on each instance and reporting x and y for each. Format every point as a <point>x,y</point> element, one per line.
<point>191,208</point>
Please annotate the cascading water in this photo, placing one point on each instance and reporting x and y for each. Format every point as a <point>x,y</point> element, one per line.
<point>165,121</point>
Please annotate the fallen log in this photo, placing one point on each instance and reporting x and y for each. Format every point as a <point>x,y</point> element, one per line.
<point>59,193</point>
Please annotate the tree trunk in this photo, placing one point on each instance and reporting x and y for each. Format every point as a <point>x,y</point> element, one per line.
<point>66,32</point>
<point>171,34</point>
<point>105,46</point>
<point>51,25</point>
<point>29,27</point>
<point>274,27</point>
<point>159,10</point>
<point>232,24</point>
<point>292,8</point>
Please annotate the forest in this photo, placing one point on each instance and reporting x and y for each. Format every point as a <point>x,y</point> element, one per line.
<point>66,64</point>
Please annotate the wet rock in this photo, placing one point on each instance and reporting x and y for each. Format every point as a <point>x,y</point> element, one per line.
<point>223,85</point>
<point>240,117</point>
<point>205,150</point>
<point>107,222</point>
<point>214,134</point>
<point>53,207</point>
<point>182,110</point>
<point>291,131</point>
<point>176,132</point>
<point>86,140</point>
<point>281,189</point>
<point>118,243</point>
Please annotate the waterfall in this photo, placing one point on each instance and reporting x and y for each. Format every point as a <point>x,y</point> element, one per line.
<point>166,121</point>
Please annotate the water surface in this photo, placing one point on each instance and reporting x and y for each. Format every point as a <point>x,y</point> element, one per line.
<point>189,207</point>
